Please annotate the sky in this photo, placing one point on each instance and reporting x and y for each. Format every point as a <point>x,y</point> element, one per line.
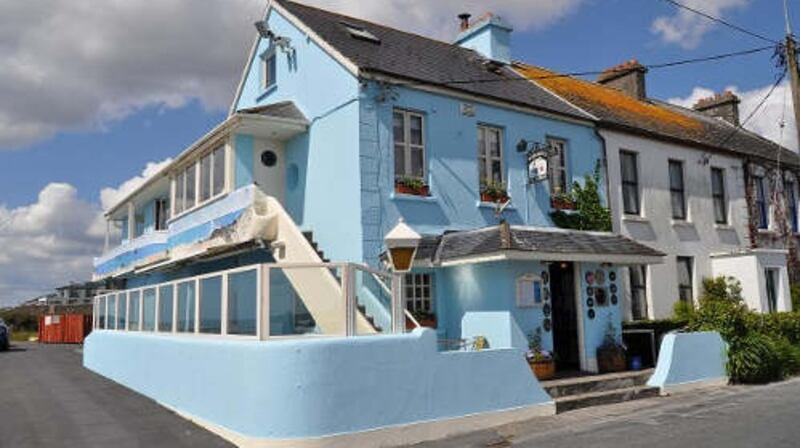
<point>95,96</point>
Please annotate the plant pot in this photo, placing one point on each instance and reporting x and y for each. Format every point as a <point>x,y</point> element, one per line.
<point>610,360</point>
<point>543,370</point>
<point>413,191</point>
<point>562,204</point>
<point>494,198</point>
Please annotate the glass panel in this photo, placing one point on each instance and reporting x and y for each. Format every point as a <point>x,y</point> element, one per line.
<point>180,180</point>
<point>149,310</point>
<point>191,189</point>
<point>685,278</point>
<point>416,129</point>
<point>678,208</point>
<point>205,178</point>
<point>122,307</point>
<point>219,170</point>
<point>481,142</point>
<point>101,320</point>
<point>717,182</point>
<point>630,197</point>
<point>772,294</point>
<point>112,312</point>
<point>290,316</point>
<point>399,161</point>
<point>417,162</point>
<point>676,175</point>
<point>135,305</point>
<point>165,306</point>
<point>494,142</point>
<point>628,167</point>
<point>211,305</point>
<point>271,70</point>
<point>719,211</point>
<point>398,129</point>
<point>242,300</point>
<point>482,170</point>
<point>186,296</point>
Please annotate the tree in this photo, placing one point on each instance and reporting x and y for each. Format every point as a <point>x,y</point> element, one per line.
<point>589,213</point>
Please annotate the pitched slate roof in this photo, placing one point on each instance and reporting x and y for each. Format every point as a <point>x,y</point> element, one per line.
<point>424,60</point>
<point>655,118</point>
<point>284,109</point>
<point>552,241</point>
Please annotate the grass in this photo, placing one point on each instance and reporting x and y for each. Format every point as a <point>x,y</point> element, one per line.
<point>23,336</point>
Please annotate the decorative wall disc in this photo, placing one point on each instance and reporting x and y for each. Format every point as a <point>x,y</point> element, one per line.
<point>600,276</point>
<point>545,277</point>
<point>546,310</point>
<point>614,299</point>
<point>546,294</point>
<point>547,325</point>
<point>613,289</point>
<point>591,314</point>
<point>612,276</point>
<point>590,278</point>
<point>589,291</point>
<point>600,297</point>
<point>590,302</point>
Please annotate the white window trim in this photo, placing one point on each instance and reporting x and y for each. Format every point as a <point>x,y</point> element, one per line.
<point>418,300</point>
<point>724,195</point>
<point>553,168</point>
<point>639,195</point>
<point>265,80</point>
<point>684,192</point>
<point>408,146</point>
<point>195,164</point>
<point>487,157</point>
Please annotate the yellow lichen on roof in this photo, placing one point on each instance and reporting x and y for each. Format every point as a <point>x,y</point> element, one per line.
<point>589,95</point>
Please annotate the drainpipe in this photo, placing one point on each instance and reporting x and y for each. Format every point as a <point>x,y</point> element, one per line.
<point>606,176</point>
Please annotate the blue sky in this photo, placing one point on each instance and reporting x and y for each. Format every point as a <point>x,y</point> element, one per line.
<point>87,108</point>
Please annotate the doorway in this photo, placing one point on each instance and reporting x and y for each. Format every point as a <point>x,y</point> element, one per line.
<point>565,320</point>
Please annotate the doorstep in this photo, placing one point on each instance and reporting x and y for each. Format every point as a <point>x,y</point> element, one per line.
<point>595,390</point>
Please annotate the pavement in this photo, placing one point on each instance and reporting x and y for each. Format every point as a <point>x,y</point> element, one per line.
<point>47,399</point>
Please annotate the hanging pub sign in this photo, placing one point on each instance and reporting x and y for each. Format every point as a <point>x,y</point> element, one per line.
<point>537,166</point>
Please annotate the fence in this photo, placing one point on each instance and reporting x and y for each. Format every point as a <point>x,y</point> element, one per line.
<point>260,302</point>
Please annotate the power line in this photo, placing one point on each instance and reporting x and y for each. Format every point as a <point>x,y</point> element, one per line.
<point>721,21</point>
<point>661,65</point>
<point>753,113</point>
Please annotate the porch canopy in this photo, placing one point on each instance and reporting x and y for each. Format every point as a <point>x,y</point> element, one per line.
<point>505,242</point>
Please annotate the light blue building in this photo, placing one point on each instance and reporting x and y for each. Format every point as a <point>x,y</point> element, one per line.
<point>339,129</point>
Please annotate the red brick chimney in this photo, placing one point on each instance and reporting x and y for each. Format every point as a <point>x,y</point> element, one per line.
<point>464,21</point>
<point>628,77</point>
<point>723,105</point>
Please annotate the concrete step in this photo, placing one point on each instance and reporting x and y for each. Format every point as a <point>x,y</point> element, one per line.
<point>596,383</point>
<point>574,402</point>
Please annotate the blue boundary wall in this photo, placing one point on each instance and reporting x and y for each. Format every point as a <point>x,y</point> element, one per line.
<point>690,360</point>
<point>316,387</point>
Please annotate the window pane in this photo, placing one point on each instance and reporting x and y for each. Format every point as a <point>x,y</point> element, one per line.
<point>678,209</point>
<point>272,69</point>
<point>417,162</point>
<point>180,180</point>
<point>482,170</point>
<point>399,161</point>
<point>211,305</point>
<point>717,182</point>
<point>416,130</point>
<point>497,172</point>
<point>398,129</point>
<point>685,278</point>
<point>112,312</point>
<point>101,313</point>
<point>149,310</point>
<point>122,307</point>
<point>628,167</point>
<point>676,175</point>
<point>205,178</point>
<point>165,304</point>
<point>186,297</point>
<point>719,211</point>
<point>494,142</point>
<point>219,170</point>
<point>134,304</point>
<point>630,196</point>
<point>481,142</point>
<point>242,299</point>
<point>190,188</point>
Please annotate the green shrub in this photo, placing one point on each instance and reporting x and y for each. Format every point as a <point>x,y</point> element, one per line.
<point>682,311</point>
<point>753,359</point>
<point>795,291</point>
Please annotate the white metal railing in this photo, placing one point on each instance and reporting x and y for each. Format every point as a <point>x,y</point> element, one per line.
<point>250,302</point>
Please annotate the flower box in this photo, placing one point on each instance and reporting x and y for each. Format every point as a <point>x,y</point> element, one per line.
<point>559,203</point>
<point>543,370</point>
<point>494,198</point>
<point>413,190</point>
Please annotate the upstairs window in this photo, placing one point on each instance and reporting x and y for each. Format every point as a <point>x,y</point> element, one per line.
<point>558,166</point>
<point>162,214</point>
<point>630,182</point>
<point>762,207</point>
<point>409,145</point>
<point>185,189</point>
<point>676,190</point>
<point>490,155</point>
<point>201,181</point>
<point>719,196</point>
<point>685,279</point>
<point>268,69</point>
<point>791,204</point>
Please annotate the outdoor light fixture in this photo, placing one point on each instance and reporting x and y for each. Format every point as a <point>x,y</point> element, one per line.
<point>402,243</point>
<point>263,30</point>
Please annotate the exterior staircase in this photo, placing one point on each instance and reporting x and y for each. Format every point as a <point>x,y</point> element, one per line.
<point>309,236</point>
<point>581,392</point>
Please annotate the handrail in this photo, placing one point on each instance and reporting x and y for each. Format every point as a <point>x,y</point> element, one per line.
<point>407,313</point>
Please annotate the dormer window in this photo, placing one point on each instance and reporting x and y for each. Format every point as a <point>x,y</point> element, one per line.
<point>268,68</point>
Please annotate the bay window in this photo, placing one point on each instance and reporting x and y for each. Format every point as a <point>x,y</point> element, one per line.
<point>200,181</point>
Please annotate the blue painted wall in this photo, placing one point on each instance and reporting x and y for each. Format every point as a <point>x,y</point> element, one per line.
<point>451,151</point>
<point>322,174</point>
<point>595,329</point>
<point>690,359</point>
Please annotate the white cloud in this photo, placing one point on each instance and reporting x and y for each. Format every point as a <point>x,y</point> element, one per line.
<point>110,196</point>
<point>686,28</point>
<point>80,64</point>
<point>766,121</point>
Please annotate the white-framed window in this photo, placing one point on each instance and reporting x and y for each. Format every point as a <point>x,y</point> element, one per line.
<point>772,278</point>
<point>418,293</point>
<point>638,280</point>
<point>530,292</point>
<point>719,195</point>
<point>559,182</point>
<point>161,214</point>
<point>409,144</point>
<point>677,190</point>
<point>685,279</point>
<point>791,203</point>
<point>629,171</point>
<point>269,72</point>
<point>490,155</point>
<point>201,181</point>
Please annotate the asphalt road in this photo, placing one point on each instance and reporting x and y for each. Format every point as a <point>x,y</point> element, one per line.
<point>47,399</point>
<point>729,417</point>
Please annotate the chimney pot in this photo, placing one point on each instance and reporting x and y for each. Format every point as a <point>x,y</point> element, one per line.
<point>464,18</point>
<point>628,77</point>
<point>723,105</point>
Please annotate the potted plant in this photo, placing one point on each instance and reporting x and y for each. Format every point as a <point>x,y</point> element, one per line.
<point>611,353</point>
<point>562,201</point>
<point>411,185</point>
<point>494,192</point>
<point>425,319</point>
<point>541,361</point>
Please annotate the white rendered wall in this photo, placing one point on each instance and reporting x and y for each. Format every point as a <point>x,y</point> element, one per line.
<point>270,179</point>
<point>696,237</point>
<point>750,269</point>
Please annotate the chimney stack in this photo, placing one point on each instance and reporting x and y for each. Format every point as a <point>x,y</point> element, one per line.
<point>464,20</point>
<point>723,105</point>
<point>628,77</point>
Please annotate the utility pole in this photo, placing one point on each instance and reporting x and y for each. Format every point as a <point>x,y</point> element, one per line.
<point>791,65</point>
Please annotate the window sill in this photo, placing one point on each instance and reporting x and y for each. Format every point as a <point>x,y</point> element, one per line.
<point>265,92</point>
<point>492,205</point>
<point>723,227</point>
<point>413,198</point>
<point>681,223</point>
<point>767,231</point>
<point>197,207</point>
<point>635,218</point>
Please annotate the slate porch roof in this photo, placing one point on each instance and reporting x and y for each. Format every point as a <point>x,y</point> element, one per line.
<point>284,109</point>
<point>428,61</point>
<point>549,243</point>
<point>658,119</point>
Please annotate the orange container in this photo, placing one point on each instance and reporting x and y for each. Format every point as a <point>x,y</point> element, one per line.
<point>64,328</point>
